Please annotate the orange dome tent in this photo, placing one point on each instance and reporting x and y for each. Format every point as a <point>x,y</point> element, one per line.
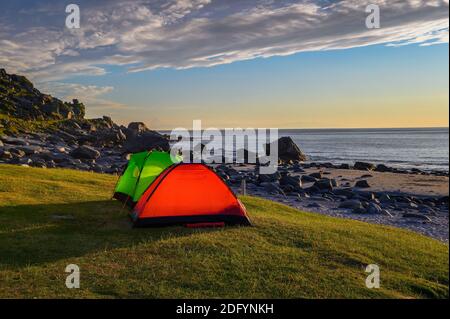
<point>188,194</point>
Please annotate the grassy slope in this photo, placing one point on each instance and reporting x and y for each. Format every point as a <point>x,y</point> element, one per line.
<point>287,254</point>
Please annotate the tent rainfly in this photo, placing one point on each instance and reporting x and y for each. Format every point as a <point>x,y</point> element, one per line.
<point>188,194</point>
<point>142,169</point>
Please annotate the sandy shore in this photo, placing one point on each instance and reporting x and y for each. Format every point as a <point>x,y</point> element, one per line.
<point>412,184</point>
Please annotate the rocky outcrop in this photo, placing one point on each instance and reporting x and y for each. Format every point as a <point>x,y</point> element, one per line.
<point>137,128</point>
<point>19,98</point>
<point>287,150</point>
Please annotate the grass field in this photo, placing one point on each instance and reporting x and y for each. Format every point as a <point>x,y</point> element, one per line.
<point>52,218</point>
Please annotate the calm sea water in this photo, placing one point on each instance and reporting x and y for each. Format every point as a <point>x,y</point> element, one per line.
<point>423,148</point>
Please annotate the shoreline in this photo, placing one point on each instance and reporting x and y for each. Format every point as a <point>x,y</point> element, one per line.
<point>410,201</point>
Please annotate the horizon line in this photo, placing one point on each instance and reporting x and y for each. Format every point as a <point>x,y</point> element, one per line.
<point>337,128</point>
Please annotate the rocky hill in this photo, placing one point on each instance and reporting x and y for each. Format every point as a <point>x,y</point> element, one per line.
<point>19,98</point>
<point>39,130</point>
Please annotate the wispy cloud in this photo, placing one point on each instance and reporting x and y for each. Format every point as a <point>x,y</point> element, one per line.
<point>144,35</point>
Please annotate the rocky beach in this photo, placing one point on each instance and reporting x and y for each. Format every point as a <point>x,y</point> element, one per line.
<point>38,130</point>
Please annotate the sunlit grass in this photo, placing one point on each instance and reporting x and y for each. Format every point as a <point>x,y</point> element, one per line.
<point>287,254</point>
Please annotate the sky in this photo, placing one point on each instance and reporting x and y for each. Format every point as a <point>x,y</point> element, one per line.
<point>241,63</point>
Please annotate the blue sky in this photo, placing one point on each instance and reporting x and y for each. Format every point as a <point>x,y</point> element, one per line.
<point>243,63</point>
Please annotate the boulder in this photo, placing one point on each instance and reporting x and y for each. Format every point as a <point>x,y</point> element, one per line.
<point>146,141</point>
<point>137,127</point>
<point>383,168</point>
<point>293,181</point>
<point>308,179</point>
<point>14,141</point>
<point>30,149</point>
<point>317,175</point>
<point>364,166</point>
<point>269,178</point>
<point>374,209</point>
<point>362,184</point>
<point>85,152</point>
<point>287,150</point>
<point>385,198</point>
<point>351,204</point>
<point>324,184</point>
<point>6,155</point>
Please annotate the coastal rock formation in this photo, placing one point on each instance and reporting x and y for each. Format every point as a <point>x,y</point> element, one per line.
<point>19,98</point>
<point>137,128</point>
<point>287,150</point>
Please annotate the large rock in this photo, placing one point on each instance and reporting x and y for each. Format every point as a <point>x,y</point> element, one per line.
<point>362,184</point>
<point>383,168</point>
<point>293,181</point>
<point>137,127</point>
<point>364,166</point>
<point>269,178</point>
<point>351,204</point>
<point>85,152</point>
<point>308,179</point>
<point>146,141</point>
<point>324,184</point>
<point>287,150</point>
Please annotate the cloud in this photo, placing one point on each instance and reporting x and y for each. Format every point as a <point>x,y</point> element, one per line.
<point>91,95</point>
<point>145,35</point>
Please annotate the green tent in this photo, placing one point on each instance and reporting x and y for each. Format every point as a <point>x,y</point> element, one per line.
<point>141,171</point>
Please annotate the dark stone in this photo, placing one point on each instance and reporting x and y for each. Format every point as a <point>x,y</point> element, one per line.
<point>308,179</point>
<point>137,127</point>
<point>269,178</point>
<point>324,184</point>
<point>272,188</point>
<point>362,184</point>
<point>383,168</point>
<point>294,181</point>
<point>364,166</point>
<point>85,152</point>
<point>146,141</point>
<point>317,175</point>
<point>6,155</point>
<point>287,150</point>
<point>374,209</point>
<point>351,204</point>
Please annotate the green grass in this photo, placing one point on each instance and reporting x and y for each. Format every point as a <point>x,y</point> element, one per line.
<point>287,254</point>
<point>16,125</point>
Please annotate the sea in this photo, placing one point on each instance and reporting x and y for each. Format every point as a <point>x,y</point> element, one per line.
<point>423,148</point>
<point>406,148</point>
